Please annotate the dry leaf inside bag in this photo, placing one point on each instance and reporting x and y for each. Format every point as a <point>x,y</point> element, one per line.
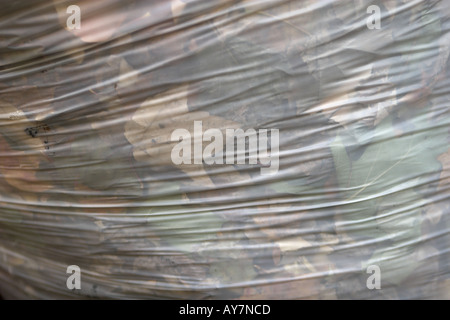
<point>151,128</point>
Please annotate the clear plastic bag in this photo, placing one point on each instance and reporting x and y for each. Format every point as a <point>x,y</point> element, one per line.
<point>224,149</point>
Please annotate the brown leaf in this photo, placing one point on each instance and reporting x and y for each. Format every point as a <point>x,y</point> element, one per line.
<point>151,127</point>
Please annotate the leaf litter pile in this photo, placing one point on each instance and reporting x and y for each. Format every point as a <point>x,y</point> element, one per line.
<point>87,176</point>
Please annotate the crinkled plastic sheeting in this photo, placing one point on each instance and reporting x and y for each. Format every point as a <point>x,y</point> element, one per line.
<point>225,149</point>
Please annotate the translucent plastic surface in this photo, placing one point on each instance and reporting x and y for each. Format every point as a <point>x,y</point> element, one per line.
<point>225,149</point>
